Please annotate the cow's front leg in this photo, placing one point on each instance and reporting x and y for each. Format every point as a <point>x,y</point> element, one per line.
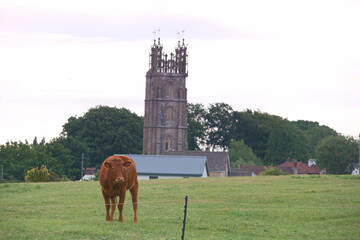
<point>107,206</point>
<point>113,207</point>
<point>121,204</point>
<point>134,195</point>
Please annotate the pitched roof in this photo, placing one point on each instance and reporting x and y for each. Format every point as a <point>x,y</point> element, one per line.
<point>247,170</point>
<point>302,168</point>
<point>90,170</point>
<point>217,161</point>
<point>163,165</point>
<point>255,169</point>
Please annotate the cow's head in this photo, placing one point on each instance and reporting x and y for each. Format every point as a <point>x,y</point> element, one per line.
<point>117,168</point>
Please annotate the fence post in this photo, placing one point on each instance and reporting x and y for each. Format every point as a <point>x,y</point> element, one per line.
<point>184,222</point>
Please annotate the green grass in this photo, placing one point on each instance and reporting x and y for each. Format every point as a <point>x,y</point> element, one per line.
<point>286,207</point>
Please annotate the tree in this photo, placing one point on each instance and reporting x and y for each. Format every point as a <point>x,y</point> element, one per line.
<point>219,124</point>
<point>286,141</point>
<point>104,131</point>
<point>314,133</point>
<point>67,153</point>
<point>338,154</point>
<point>241,154</point>
<point>254,127</point>
<point>196,126</point>
<point>18,157</point>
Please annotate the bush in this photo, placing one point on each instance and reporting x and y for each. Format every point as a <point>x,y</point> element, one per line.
<point>54,177</point>
<point>241,154</point>
<point>36,175</point>
<point>273,172</point>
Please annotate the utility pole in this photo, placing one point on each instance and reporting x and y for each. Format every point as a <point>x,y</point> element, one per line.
<point>2,172</point>
<point>82,165</point>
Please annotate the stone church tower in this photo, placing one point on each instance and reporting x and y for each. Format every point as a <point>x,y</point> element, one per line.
<point>165,120</point>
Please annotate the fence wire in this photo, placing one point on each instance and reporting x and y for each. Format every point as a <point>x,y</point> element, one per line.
<point>195,205</point>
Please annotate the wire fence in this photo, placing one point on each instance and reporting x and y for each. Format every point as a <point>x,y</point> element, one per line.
<point>194,205</point>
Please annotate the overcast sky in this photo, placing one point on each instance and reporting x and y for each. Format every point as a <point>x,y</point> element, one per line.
<point>296,59</point>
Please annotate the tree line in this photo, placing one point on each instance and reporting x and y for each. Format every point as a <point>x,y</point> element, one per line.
<point>257,138</point>
<point>99,133</point>
<point>251,137</point>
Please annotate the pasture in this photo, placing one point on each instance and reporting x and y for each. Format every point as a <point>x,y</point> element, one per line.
<point>286,207</point>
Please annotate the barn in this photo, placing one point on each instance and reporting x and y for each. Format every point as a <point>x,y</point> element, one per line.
<point>165,166</point>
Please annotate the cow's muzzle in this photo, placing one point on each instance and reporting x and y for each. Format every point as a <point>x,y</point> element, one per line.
<point>119,180</point>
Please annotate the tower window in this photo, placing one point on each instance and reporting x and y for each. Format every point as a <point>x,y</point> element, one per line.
<point>168,144</point>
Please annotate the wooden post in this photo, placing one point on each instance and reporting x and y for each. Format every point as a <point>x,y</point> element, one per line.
<point>82,165</point>
<point>184,222</point>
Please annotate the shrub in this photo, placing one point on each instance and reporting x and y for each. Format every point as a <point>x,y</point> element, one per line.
<point>54,177</point>
<point>273,171</point>
<point>36,175</point>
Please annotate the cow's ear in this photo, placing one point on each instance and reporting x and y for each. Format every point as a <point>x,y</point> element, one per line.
<point>127,164</point>
<point>107,165</point>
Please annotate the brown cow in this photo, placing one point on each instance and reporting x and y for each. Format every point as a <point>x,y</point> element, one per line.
<point>118,174</point>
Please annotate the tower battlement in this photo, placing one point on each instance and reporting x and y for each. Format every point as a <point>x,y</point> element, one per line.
<point>163,63</point>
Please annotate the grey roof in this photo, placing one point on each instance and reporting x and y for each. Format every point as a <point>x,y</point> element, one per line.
<point>217,161</point>
<point>165,165</point>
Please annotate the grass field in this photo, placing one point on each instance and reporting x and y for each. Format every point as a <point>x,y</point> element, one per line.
<point>286,207</point>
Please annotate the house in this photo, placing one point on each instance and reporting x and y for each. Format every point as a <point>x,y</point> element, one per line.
<point>289,166</point>
<point>356,170</point>
<point>89,174</point>
<point>295,167</point>
<point>218,162</point>
<point>247,171</point>
<point>165,166</point>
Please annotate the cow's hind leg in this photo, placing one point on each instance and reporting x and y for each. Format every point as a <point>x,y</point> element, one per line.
<point>107,206</point>
<point>134,195</point>
<point>121,205</point>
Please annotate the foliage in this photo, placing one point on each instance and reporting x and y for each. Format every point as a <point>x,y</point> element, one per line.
<point>254,127</point>
<point>338,154</point>
<point>272,171</point>
<point>209,128</point>
<point>104,131</point>
<point>241,154</point>
<point>101,132</point>
<point>221,208</point>
<point>314,133</point>
<point>18,157</point>
<point>38,175</point>
<point>271,138</point>
<point>196,126</point>
<point>285,141</point>
<point>218,123</point>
